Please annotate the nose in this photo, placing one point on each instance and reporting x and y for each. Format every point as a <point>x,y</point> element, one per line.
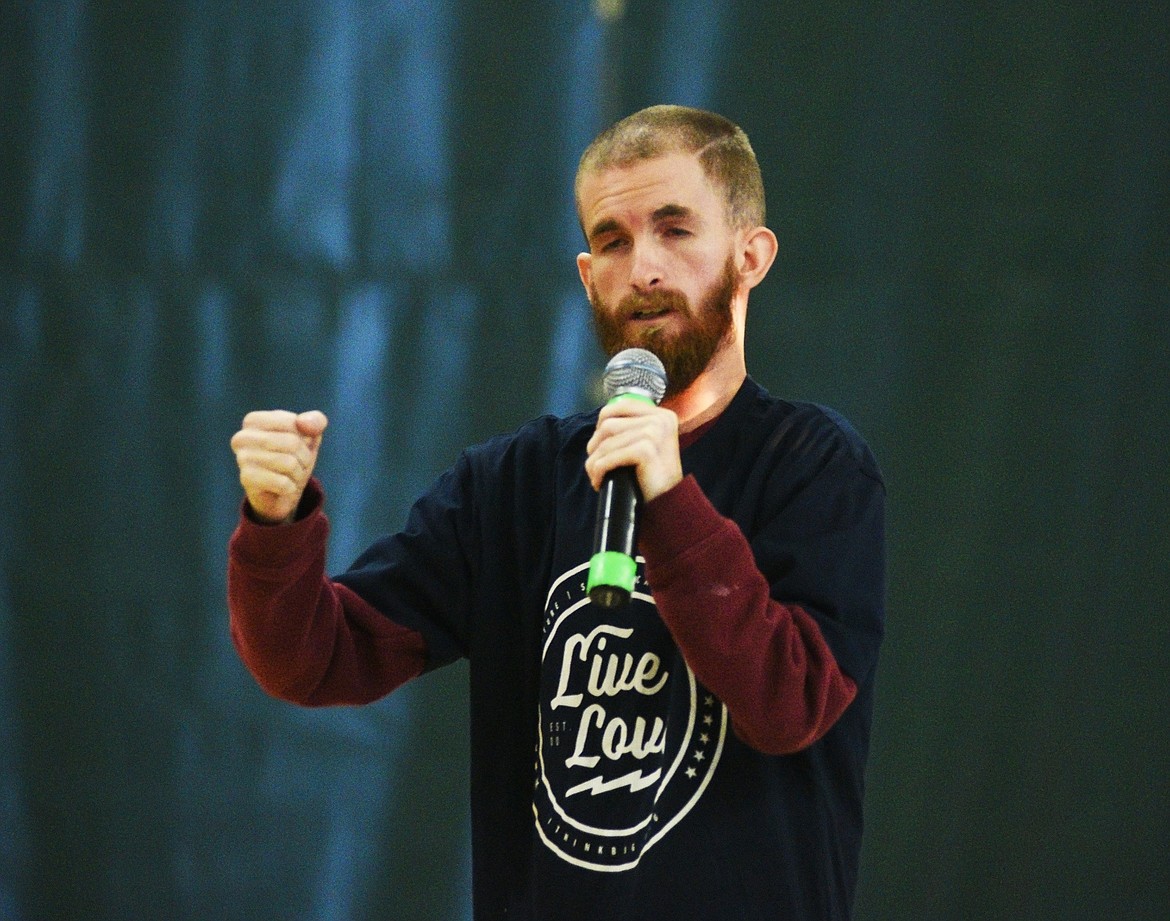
<point>646,270</point>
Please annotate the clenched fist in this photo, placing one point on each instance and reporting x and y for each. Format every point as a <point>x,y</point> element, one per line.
<point>276,451</point>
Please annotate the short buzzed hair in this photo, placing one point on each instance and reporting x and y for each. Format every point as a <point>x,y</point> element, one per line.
<point>724,152</point>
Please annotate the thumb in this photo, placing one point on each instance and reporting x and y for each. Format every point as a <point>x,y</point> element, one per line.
<point>312,423</point>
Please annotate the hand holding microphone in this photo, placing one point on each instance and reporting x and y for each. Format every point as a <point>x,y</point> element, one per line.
<point>633,457</point>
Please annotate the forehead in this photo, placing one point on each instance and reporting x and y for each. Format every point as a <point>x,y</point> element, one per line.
<point>637,190</point>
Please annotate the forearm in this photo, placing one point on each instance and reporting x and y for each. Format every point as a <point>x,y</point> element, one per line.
<point>304,638</point>
<point>767,661</point>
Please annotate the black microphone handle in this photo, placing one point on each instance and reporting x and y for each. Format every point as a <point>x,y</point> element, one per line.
<point>616,527</point>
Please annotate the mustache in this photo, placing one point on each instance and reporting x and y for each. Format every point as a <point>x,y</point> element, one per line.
<point>653,302</point>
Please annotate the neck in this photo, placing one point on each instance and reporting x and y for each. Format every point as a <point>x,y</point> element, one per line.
<point>712,390</point>
<point>706,398</point>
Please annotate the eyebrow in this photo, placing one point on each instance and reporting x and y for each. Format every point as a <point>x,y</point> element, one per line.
<point>672,211</point>
<point>609,225</point>
<point>666,212</point>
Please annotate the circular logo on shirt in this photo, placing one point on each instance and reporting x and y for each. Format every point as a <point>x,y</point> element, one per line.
<point>628,739</point>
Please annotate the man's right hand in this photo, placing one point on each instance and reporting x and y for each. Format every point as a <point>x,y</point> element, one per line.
<point>276,451</point>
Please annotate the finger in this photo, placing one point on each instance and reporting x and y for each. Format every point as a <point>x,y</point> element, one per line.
<point>623,448</point>
<point>265,482</point>
<point>295,465</point>
<point>628,449</point>
<point>610,427</point>
<point>627,408</point>
<point>658,426</point>
<point>636,410</point>
<point>276,420</point>
<point>649,445</point>
<point>274,442</point>
<point>312,423</point>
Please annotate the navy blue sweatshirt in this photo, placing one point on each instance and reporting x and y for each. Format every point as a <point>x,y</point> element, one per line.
<point>698,753</point>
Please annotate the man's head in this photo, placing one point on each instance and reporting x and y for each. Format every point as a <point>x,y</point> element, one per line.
<point>723,150</point>
<point>672,206</point>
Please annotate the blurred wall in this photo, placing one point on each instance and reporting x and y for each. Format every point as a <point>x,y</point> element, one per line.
<point>365,207</point>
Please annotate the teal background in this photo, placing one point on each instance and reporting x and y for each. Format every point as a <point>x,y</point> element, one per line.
<point>365,207</point>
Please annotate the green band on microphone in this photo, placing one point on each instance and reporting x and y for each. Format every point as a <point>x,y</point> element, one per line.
<point>632,395</point>
<point>612,568</point>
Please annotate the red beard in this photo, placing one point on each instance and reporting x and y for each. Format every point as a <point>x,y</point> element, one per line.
<point>685,352</point>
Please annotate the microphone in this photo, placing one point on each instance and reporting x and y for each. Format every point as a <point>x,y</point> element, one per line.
<point>630,374</point>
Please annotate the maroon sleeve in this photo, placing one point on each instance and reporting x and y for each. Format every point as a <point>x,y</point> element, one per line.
<point>304,638</point>
<point>766,660</point>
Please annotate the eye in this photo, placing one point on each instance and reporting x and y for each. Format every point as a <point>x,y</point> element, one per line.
<point>611,245</point>
<point>677,232</point>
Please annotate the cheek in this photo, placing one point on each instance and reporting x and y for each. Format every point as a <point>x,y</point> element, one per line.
<point>606,266</point>
<point>604,281</point>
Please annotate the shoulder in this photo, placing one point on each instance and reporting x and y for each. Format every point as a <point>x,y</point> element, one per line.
<point>532,448</point>
<point>808,434</point>
<point>810,471</point>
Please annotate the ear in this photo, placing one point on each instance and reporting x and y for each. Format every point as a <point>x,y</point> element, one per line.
<point>585,269</point>
<point>757,253</point>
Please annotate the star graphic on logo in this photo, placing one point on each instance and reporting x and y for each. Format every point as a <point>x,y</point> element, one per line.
<point>704,738</point>
<point>699,756</point>
<point>691,772</point>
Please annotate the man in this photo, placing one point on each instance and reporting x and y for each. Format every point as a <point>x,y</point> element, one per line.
<point>699,752</point>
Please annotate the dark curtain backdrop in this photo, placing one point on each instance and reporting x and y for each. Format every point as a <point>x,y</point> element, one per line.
<point>364,207</point>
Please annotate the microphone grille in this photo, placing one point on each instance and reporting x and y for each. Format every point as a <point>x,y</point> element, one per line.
<point>635,370</point>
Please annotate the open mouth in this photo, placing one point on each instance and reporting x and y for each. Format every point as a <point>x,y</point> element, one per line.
<point>650,314</point>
